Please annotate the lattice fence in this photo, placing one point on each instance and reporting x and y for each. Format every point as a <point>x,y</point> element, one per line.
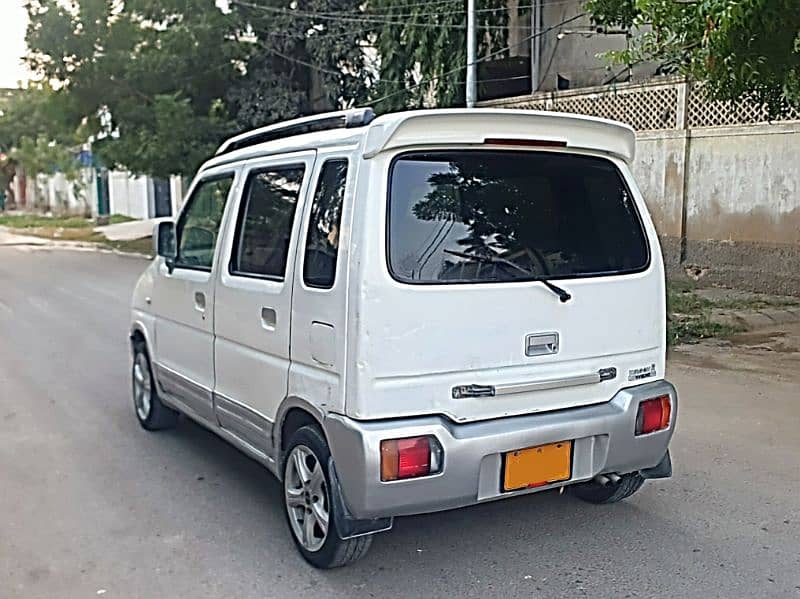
<point>702,112</point>
<point>644,107</point>
<point>649,106</point>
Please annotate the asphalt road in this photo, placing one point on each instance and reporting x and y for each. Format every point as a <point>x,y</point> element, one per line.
<point>90,504</point>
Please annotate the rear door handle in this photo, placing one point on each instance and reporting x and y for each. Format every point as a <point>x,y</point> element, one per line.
<point>541,345</point>
<point>199,301</point>
<point>269,318</point>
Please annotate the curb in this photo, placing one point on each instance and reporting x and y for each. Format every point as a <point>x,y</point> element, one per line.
<point>10,239</point>
<point>108,250</point>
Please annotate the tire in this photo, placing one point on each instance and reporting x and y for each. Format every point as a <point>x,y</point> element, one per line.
<point>307,499</point>
<point>151,413</point>
<point>594,492</point>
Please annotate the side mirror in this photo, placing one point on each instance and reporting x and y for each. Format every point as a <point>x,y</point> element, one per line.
<point>164,242</point>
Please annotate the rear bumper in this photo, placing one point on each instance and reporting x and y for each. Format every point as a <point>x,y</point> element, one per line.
<point>603,435</point>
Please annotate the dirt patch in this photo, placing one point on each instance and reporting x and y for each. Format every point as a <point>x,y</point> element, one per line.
<point>770,341</point>
<point>770,353</point>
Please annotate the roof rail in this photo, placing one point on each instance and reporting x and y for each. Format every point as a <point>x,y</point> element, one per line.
<point>343,119</point>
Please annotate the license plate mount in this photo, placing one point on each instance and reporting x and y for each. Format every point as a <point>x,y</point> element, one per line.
<point>537,466</point>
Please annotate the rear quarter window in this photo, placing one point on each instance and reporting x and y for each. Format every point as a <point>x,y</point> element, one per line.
<point>498,216</point>
<point>322,238</point>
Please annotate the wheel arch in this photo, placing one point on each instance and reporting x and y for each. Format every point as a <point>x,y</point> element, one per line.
<point>140,332</point>
<point>294,413</point>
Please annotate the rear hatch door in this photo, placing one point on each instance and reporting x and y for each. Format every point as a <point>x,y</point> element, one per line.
<point>469,315</point>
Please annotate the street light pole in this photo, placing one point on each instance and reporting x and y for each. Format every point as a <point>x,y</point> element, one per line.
<point>536,45</point>
<point>472,66</point>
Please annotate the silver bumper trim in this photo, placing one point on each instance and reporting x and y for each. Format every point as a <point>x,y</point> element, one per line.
<point>603,441</point>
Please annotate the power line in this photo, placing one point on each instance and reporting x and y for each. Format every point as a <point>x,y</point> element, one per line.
<point>321,68</point>
<point>324,69</point>
<point>366,18</point>
<point>524,7</point>
<point>411,5</point>
<point>311,32</point>
<point>367,11</point>
<point>483,59</point>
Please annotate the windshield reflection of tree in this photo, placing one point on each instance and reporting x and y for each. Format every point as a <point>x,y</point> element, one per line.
<point>492,207</point>
<point>199,231</point>
<point>268,221</point>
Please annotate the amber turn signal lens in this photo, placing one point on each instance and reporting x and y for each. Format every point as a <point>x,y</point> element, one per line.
<point>389,460</point>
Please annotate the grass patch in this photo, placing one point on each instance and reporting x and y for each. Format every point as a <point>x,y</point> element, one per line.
<point>136,246</point>
<point>689,317</point>
<point>691,329</point>
<point>35,221</point>
<point>74,228</point>
<point>119,218</point>
<point>755,303</point>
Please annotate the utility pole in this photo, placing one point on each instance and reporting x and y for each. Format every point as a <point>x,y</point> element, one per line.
<point>472,66</point>
<point>536,45</point>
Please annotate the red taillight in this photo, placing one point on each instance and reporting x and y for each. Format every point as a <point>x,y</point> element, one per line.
<point>409,458</point>
<point>653,415</point>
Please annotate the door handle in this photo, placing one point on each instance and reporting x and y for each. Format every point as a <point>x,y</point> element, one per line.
<point>269,318</point>
<point>541,345</point>
<point>199,301</point>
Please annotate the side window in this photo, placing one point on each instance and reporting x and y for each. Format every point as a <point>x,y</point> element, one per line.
<point>198,226</point>
<point>265,222</point>
<point>322,239</point>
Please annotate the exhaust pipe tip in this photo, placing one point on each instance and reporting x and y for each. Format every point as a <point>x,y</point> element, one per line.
<point>602,479</point>
<point>605,479</point>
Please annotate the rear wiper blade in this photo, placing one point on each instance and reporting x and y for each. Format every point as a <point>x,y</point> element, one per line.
<point>562,294</point>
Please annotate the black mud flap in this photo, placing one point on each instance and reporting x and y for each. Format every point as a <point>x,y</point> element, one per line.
<point>662,470</point>
<point>348,526</point>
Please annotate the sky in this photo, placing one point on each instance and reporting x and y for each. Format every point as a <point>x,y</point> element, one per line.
<point>13,20</point>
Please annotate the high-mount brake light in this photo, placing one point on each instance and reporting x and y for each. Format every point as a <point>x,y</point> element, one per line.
<point>534,143</point>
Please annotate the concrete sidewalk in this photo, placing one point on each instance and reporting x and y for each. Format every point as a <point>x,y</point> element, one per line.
<point>749,310</point>
<point>8,238</point>
<point>135,229</point>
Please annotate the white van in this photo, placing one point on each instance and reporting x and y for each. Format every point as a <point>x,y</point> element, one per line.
<point>413,313</point>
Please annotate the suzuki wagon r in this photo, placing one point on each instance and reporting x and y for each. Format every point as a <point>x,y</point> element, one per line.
<point>411,313</point>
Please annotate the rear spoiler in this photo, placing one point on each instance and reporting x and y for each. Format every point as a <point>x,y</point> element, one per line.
<point>482,126</point>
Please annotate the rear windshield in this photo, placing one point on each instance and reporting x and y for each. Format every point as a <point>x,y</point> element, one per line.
<point>482,216</point>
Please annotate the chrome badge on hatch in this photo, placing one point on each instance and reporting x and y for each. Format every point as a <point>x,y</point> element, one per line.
<point>645,372</point>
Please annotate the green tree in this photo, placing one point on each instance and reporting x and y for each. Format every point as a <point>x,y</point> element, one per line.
<point>422,49</point>
<point>41,131</point>
<point>149,75</point>
<point>161,82</point>
<point>308,57</point>
<point>740,48</point>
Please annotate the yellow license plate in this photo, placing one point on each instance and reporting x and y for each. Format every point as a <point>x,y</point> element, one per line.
<point>537,466</point>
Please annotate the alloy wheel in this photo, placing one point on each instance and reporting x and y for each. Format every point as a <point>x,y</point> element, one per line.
<point>142,392</point>
<point>307,498</point>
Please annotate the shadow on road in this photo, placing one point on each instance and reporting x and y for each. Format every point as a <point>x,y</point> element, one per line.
<point>541,541</point>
